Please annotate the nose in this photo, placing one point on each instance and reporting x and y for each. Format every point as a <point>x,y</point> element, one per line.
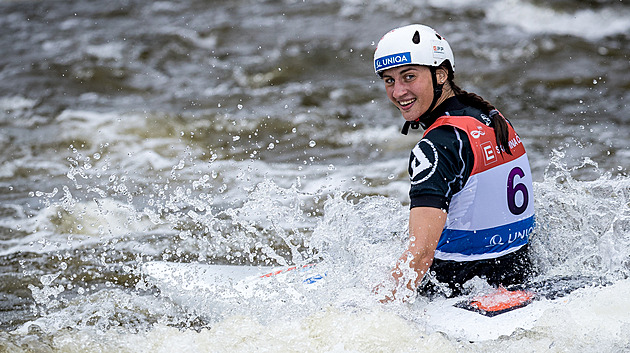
<point>399,89</point>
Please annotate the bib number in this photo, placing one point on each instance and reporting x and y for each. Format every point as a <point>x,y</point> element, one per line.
<point>513,189</point>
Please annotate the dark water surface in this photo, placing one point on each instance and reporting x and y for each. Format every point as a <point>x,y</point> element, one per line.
<point>244,131</point>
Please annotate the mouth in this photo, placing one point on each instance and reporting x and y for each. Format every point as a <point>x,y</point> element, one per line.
<point>406,104</point>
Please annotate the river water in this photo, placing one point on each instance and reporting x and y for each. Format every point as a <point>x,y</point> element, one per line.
<point>255,133</point>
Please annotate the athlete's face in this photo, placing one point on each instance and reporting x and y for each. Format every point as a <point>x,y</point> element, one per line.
<point>410,88</point>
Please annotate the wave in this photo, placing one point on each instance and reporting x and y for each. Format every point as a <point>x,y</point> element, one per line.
<point>590,24</point>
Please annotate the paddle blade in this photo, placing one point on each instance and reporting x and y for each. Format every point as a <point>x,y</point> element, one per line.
<point>497,302</point>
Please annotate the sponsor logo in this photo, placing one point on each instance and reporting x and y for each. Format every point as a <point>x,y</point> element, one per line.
<point>421,167</point>
<point>510,238</point>
<point>438,49</point>
<point>489,154</point>
<point>486,120</point>
<point>420,162</point>
<point>392,60</point>
<point>477,133</point>
<point>514,142</point>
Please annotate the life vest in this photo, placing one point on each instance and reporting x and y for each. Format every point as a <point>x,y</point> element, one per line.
<point>493,214</point>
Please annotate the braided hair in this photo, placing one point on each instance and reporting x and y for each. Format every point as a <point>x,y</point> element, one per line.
<point>501,131</point>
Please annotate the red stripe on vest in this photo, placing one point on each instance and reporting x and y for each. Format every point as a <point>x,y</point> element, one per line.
<point>483,141</point>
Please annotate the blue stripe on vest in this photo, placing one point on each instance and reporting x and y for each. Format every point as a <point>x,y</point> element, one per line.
<point>486,241</point>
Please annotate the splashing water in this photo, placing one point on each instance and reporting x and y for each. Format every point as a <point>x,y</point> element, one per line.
<point>138,131</point>
<point>582,230</point>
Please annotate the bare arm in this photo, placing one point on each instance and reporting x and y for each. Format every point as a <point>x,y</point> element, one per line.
<point>425,227</point>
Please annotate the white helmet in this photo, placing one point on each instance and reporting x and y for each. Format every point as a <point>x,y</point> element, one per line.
<point>413,44</point>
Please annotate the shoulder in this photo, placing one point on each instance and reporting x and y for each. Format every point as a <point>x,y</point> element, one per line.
<point>442,147</point>
<point>473,113</point>
<point>447,138</point>
<point>442,134</point>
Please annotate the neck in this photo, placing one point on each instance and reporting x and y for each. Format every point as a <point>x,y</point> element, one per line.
<point>429,118</point>
<point>447,92</point>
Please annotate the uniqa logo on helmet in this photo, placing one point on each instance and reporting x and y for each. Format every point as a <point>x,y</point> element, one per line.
<point>392,60</point>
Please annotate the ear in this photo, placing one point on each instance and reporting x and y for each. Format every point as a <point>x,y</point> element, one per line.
<point>441,74</point>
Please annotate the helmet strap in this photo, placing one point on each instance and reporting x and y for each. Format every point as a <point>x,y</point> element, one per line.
<point>423,119</point>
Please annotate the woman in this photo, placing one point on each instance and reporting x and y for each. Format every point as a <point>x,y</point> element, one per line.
<point>472,206</point>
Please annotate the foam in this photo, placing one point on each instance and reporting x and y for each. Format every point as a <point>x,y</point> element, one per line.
<point>587,24</point>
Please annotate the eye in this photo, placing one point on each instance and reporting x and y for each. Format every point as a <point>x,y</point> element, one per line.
<point>388,80</point>
<point>409,77</point>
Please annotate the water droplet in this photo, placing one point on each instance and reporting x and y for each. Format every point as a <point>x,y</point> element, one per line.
<point>312,143</point>
<point>48,279</point>
<point>236,138</point>
<point>271,146</point>
<point>240,106</point>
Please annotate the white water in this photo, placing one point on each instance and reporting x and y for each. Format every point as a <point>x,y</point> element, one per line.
<point>583,230</point>
<point>252,132</point>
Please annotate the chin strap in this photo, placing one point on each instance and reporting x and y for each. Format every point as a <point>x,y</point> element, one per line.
<point>410,124</point>
<point>437,93</point>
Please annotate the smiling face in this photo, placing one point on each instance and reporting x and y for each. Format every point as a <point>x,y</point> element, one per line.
<point>410,88</point>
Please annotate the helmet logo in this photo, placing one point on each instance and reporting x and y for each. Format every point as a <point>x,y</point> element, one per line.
<point>439,51</point>
<point>416,38</point>
<point>392,60</point>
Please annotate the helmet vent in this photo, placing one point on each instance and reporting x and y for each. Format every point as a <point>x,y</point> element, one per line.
<point>416,38</point>
<point>438,36</point>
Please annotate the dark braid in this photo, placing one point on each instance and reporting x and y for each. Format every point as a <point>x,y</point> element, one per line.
<point>501,131</point>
